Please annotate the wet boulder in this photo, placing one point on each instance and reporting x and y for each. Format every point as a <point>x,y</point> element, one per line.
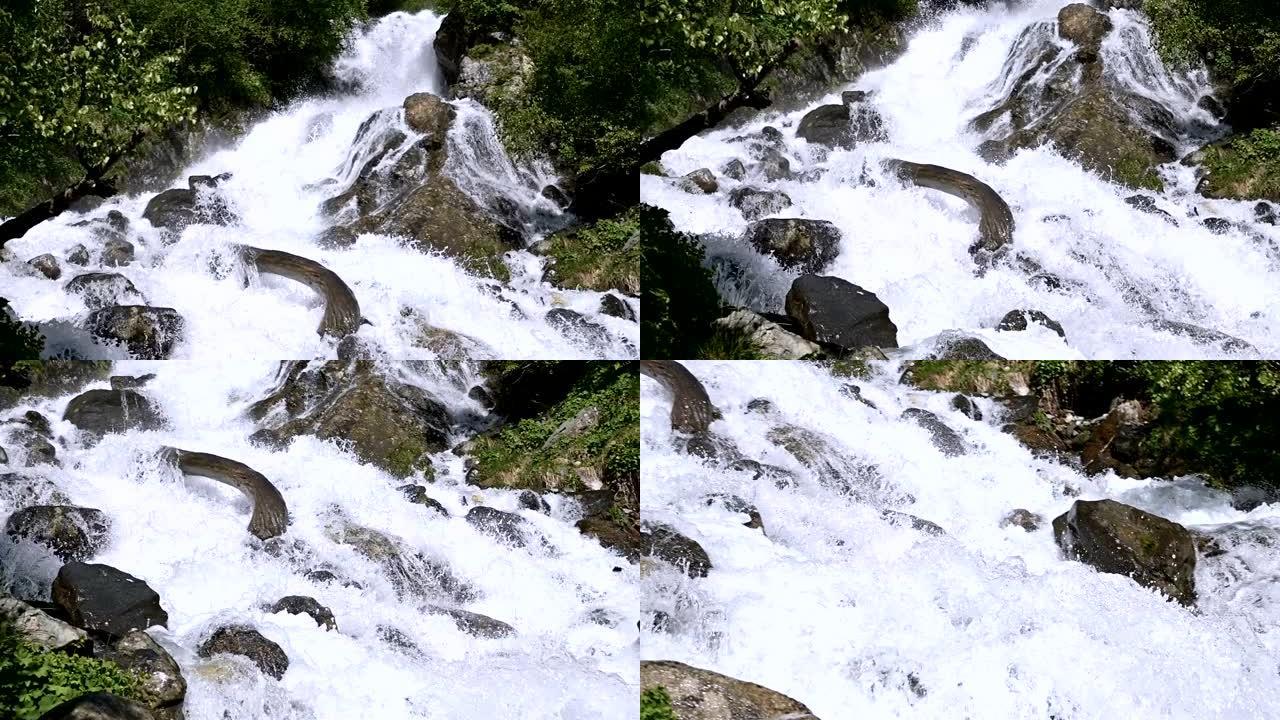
<point>100,290</point>
<point>99,412</point>
<point>735,504</point>
<point>504,526</point>
<point>410,572</point>
<point>770,339</point>
<point>391,424</point>
<point>1083,25</point>
<point>664,543</point>
<point>417,494</point>
<point>701,181</point>
<point>72,533</point>
<point>575,324</point>
<point>833,467</point>
<point>47,265</point>
<point>117,253</point>
<point>303,605</point>
<point>966,406</point>
<point>474,624</point>
<point>957,346</point>
<point>836,313</point>
<point>1116,538</point>
<point>38,627</point>
<point>149,333</point>
<point>1265,213</point>
<point>22,490</point>
<point>919,524</point>
<point>805,245</point>
<point>99,706</point>
<point>428,114</point>
<point>37,449</point>
<point>247,642</point>
<point>827,125</point>
<point>734,169</point>
<point>943,437</point>
<point>1147,204</point>
<point>614,306</point>
<point>698,694</point>
<point>755,203</point>
<point>1024,519</point>
<point>1018,320</point>
<point>77,254</point>
<point>162,684</point>
<point>103,599</point>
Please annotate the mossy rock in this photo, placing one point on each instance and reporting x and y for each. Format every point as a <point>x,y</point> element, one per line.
<point>971,377</point>
<point>1246,167</point>
<point>602,256</point>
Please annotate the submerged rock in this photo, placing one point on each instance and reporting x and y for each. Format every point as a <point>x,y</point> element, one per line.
<point>303,605</point>
<point>835,312</point>
<point>72,533</point>
<point>1018,320</point>
<point>100,412</point>
<point>507,527</point>
<point>474,623</point>
<point>1024,519</point>
<point>944,438</point>
<point>1117,538</point>
<point>104,599</point>
<point>149,333</point>
<point>247,642</point>
<point>410,572</point>
<point>698,694</point>
<point>100,290</point>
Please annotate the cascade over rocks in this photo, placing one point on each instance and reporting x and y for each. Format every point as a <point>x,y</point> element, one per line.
<point>833,468</point>
<point>504,526</point>
<point>391,424</point>
<point>835,312</point>
<point>103,599</point>
<point>410,572</point>
<point>1117,538</point>
<point>698,694</point>
<point>842,126</point>
<point>1067,101</point>
<point>176,208</point>
<point>247,642</point>
<point>100,412</point>
<point>72,533</point>
<point>413,197</point>
<point>806,245</point>
<point>101,290</point>
<point>149,333</point>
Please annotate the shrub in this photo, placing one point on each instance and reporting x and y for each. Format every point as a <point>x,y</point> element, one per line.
<point>678,301</point>
<point>34,680</point>
<point>655,704</point>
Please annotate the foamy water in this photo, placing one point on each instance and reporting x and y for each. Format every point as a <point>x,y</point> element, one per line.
<point>276,190</point>
<point>1124,271</point>
<point>857,617</point>
<point>574,656</point>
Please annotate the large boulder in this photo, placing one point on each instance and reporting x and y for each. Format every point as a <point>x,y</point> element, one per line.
<point>1117,538</point>
<point>413,196</point>
<point>698,694</point>
<point>99,412</point>
<point>149,333</point>
<point>835,312</point>
<point>38,627</point>
<point>72,533</point>
<point>103,599</point>
<point>247,642</point>
<point>664,543</point>
<point>842,126</point>
<point>1071,104</point>
<point>391,424</point>
<point>99,706</point>
<point>806,245</point>
<point>100,290</point>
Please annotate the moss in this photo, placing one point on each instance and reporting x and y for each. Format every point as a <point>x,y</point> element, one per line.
<point>1137,173</point>
<point>653,167</point>
<point>524,454</point>
<point>725,344</point>
<point>602,256</point>
<point>408,458</point>
<point>979,377</point>
<point>655,704</point>
<point>1245,168</point>
<point>34,680</point>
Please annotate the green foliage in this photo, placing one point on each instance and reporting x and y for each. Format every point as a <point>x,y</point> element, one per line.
<point>20,346</point>
<point>1246,167</point>
<point>34,680</point>
<point>1238,39</point>
<point>247,53</point>
<point>655,704</point>
<point>678,301</point>
<point>81,82</point>
<point>600,256</point>
<point>523,454</point>
<point>724,344</point>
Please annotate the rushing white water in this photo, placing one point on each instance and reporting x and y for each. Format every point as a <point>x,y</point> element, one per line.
<point>279,169</point>
<point>860,618</point>
<point>1124,271</point>
<point>574,656</point>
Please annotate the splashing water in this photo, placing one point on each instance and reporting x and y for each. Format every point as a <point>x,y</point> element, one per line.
<point>282,169</point>
<point>1124,278</point>
<point>574,654</point>
<point>857,617</point>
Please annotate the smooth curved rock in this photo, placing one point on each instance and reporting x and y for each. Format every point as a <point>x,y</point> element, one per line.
<point>835,312</point>
<point>1117,538</point>
<point>270,516</point>
<point>698,694</point>
<point>995,224</point>
<point>691,408</point>
<point>341,309</point>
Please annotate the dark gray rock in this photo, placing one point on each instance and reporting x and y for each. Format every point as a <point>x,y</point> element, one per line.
<point>72,533</point>
<point>1017,320</point>
<point>117,253</point>
<point>130,382</point>
<point>47,265</point>
<point>1265,213</point>
<point>99,412</point>
<point>149,333</point>
<point>303,605</point>
<point>966,405</point>
<point>755,203</point>
<point>101,290</point>
<point>663,542</point>
<point>944,438</point>
<point>530,500</point>
<point>805,245</point>
<point>247,642</point>
<point>507,527</point>
<point>1117,538</point>
<point>835,312</point>
<point>1217,225</point>
<point>417,494</point>
<point>99,706</point>
<point>1147,204</point>
<point>735,504</point>
<point>827,125</point>
<point>734,169</point>
<point>573,323</point>
<point>915,523</point>
<point>103,599</point>
<point>474,623</point>
<point>78,254</point>
<point>954,346</point>
<point>614,306</point>
<point>1024,519</point>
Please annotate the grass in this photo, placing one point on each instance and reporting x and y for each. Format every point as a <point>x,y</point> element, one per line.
<point>1247,167</point>
<point>597,257</point>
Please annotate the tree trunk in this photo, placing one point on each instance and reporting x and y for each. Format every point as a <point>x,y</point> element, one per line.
<point>18,226</point>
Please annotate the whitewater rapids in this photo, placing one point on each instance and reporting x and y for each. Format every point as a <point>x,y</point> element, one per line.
<point>859,618</point>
